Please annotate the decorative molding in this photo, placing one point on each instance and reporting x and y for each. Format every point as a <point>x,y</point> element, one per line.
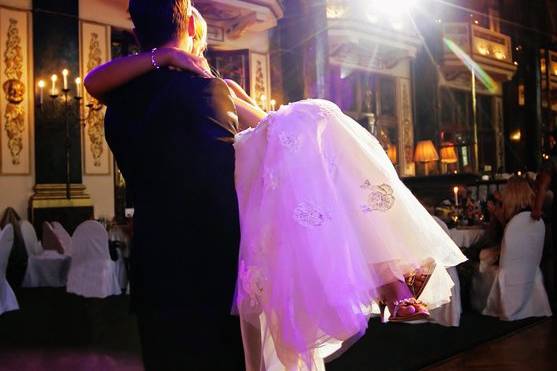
<point>406,129</point>
<point>94,50</point>
<point>47,196</point>
<point>15,102</point>
<point>489,49</point>
<point>215,33</point>
<point>260,79</point>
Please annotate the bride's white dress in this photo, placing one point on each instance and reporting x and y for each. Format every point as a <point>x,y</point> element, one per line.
<point>325,222</point>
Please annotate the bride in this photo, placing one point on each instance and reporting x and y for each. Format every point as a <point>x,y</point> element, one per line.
<point>327,226</point>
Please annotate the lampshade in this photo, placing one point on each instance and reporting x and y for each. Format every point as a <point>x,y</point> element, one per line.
<point>448,154</point>
<point>425,152</point>
<point>392,153</point>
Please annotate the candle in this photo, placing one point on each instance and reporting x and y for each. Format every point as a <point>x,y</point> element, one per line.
<point>273,104</point>
<point>264,102</point>
<point>65,73</point>
<point>455,190</point>
<point>42,84</point>
<point>53,78</point>
<point>78,87</point>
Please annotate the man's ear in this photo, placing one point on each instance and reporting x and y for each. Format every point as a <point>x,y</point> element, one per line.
<point>191,26</point>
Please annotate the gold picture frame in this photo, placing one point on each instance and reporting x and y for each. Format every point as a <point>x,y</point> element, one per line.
<point>94,50</point>
<point>17,93</point>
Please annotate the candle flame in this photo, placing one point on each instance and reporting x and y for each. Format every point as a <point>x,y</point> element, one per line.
<point>65,72</point>
<point>54,78</point>
<point>455,190</point>
<point>42,84</point>
<point>78,80</point>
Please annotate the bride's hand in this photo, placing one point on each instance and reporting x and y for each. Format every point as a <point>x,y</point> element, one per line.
<point>178,58</point>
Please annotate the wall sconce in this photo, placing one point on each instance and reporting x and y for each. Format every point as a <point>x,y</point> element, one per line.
<point>483,49</point>
<point>516,136</point>
<point>500,54</point>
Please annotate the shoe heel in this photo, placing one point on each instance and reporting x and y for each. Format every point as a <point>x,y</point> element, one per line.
<point>382,307</point>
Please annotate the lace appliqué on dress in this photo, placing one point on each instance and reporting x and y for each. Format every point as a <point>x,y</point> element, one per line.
<point>307,215</point>
<point>270,180</point>
<point>289,141</point>
<point>253,280</point>
<point>380,197</point>
<point>332,167</point>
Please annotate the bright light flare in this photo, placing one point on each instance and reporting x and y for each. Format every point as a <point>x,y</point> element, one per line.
<point>488,82</point>
<point>391,7</point>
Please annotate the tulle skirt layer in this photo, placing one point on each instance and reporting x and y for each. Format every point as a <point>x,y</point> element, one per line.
<point>325,222</point>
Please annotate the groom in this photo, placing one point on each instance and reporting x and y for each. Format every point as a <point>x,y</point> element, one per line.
<point>171,134</point>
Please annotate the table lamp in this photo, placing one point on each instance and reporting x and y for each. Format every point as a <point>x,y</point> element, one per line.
<point>425,153</point>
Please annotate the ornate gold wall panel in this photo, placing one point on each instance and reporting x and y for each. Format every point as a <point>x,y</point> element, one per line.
<point>406,132</point>
<point>16,96</point>
<point>94,50</point>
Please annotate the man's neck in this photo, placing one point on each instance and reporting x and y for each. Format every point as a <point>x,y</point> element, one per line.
<point>183,44</point>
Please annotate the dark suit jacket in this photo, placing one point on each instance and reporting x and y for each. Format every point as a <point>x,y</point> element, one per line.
<point>171,133</point>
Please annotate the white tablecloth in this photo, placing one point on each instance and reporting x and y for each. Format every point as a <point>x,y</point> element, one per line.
<point>465,237</point>
<point>49,269</point>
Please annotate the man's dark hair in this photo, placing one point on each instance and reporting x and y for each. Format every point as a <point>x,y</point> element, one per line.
<point>157,22</point>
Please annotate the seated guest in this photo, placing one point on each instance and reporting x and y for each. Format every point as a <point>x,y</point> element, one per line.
<point>517,197</point>
<point>118,239</point>
<point>17,262</point>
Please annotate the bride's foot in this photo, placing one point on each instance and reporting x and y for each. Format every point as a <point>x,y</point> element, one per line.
<point>409,309</point>
<point>402,305</point>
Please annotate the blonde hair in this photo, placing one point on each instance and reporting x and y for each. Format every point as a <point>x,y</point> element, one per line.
<point>517,196</point>
<point>200,37</point>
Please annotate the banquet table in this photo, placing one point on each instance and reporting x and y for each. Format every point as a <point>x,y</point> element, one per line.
<point>464,237</point>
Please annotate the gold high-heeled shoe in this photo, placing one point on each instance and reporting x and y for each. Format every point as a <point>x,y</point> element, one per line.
<point>420,313</point>
<point>418,279</point>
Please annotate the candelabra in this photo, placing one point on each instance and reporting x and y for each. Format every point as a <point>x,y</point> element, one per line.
<point>62,104</point>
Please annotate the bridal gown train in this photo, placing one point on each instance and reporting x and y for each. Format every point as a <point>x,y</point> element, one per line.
<point>325,221</point>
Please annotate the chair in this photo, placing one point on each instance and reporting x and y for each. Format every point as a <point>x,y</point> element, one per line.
<point>517,289</point>
<point>449,314</point>
<point>32,244</point>
<point>8,301</point>
<point>92,272</point>
<point>45,267</point>
<point>64,237</point>
<point>50,240</point>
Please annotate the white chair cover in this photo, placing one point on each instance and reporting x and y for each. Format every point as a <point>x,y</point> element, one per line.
<point>449,314</point>
<point>49,269</point>
<point>517,291</point>
<point>32,244</point>
<point>64,237</point>
<point>50,240</point>
<point>8,301</point>
<point>92,272</point>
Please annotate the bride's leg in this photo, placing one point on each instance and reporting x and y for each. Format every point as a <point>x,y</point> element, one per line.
<point>251,338</point>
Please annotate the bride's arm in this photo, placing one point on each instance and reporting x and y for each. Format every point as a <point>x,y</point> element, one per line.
<point>239,92</point>
<point>248,115</point>
<point>118,72</point>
